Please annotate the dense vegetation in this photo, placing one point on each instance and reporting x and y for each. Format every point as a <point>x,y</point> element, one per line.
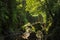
<point>29,19</point>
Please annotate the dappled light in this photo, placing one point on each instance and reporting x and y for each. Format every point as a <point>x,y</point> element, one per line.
<point>29,19</point>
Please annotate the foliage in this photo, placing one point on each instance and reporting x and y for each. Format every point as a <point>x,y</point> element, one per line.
<point>18,15</point>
